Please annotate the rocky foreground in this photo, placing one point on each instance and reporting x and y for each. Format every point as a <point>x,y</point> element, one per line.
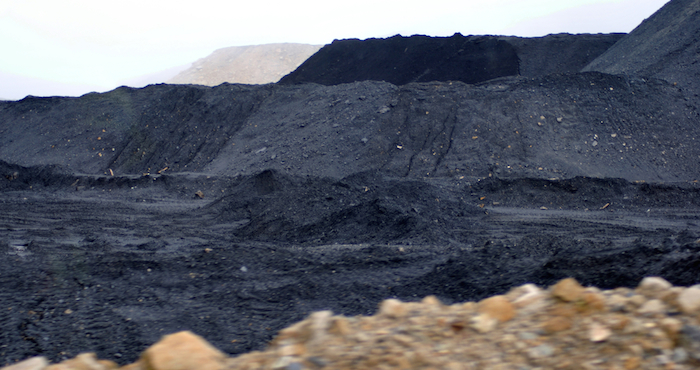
<point>566,326</point>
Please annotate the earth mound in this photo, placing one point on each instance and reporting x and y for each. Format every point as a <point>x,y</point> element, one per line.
<point>254,64</point>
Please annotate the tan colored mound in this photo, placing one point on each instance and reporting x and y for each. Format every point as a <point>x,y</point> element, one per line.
<point>256,64</point>
<point>567,326</point>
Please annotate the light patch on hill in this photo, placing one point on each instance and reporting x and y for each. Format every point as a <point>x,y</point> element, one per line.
<point>256,64</point>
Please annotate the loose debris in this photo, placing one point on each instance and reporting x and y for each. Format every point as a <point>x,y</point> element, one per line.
<point>566,326</point>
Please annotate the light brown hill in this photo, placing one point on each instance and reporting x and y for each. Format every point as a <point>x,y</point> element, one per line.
<point>255,64</point>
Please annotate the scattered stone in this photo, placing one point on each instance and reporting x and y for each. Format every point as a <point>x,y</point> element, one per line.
<point>632,363</point>
<point>651,307</point>
<point>182,351</point>
<point>282,362</point>
<point>598,333</point>
<point>135,366</point>
<point>431,300</point>
<point>636,301</point>
<point>689,339</point>
<point>567,290</point>
<point>199,194</point>
<point>652,286</point>
<point>528,298</point>
<point>497,307</point>
<point>556,324</point>
<point>680,355</point>
<point>340,326</point>
<point>543,350</point>
<point>34,363</point>
<point>671,326</point>
<point>292,350</point>
<point>617,302</point>
<point>320,322</point>
<point>392,308</point>
<point>592,302</point>
<point>84,361</point>
<point>643,331</point>
<point>484,323</point>
<point>689,300</point>
<point>318,362</point>
<point>526,335</point>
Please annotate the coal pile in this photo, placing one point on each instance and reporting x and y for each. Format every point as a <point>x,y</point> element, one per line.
<point>470,59</point>
<point>458,167</point>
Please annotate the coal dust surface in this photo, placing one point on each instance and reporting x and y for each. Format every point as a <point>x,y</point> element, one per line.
<point>457,167</point>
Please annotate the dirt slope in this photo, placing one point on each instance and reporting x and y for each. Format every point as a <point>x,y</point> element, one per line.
<point>255,64</point>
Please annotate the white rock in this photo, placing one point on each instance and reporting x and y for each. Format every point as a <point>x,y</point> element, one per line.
<point>598,332</point>
<point>392,308</point>
<point>652,285</point>
<point>483,323</point>
<point>34,363</point>
<point>689,300</point>
<point>651,307</point>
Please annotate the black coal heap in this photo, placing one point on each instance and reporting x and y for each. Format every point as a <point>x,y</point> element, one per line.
<point>458,167</point>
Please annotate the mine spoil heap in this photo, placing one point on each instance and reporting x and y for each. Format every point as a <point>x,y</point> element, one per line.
<point>410,202</point>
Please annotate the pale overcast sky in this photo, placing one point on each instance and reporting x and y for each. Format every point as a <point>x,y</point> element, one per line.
<point>47,45</point>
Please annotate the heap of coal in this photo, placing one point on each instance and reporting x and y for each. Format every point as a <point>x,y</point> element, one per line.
<point>472,59</point>
<point>665,46</point>
<point>235,210</point>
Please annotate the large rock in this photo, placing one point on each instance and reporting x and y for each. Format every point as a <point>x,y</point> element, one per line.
<point>182,351</point>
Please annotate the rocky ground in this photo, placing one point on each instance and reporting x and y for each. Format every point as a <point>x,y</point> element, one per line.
<point>567,326</point>
<point>235,211</point>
